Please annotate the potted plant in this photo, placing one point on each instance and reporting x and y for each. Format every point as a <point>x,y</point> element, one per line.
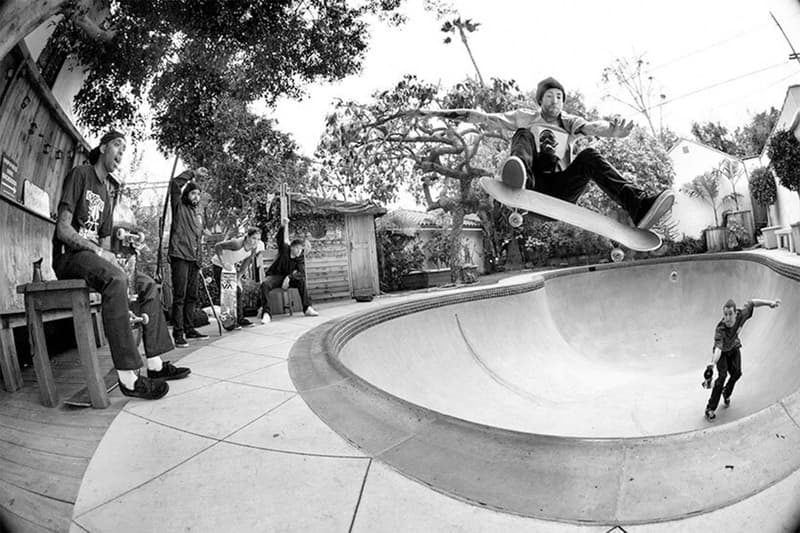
<point>765,192</point>
<point>783,150</point>
<point>706,187</point>
<point>732,170</point>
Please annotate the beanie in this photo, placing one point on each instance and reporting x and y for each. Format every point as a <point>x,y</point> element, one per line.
<point>94,155</point>
<point>548,83</point>
<point>188,187</point>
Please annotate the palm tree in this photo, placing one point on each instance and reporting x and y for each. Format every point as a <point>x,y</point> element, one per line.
<point>706,187</point>
<point>731,170</point>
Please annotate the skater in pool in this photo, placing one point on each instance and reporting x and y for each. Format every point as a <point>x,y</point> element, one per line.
<point>726,355</point>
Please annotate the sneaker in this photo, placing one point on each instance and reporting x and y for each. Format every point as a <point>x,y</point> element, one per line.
<point>513,172</point>
<point>245,323</point>
<point>194,334</point>
<point>710,415</point>
<point>146,388</point>
<point>169,371</point>
<point>726,401</point>
<point>310,311</point>
<point>180,341</point>
<point>653,208</point>
<point>266,318</point>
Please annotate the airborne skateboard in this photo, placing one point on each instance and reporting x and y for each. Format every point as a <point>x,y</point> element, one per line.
<point>522,199</point>
<point>227,299</point>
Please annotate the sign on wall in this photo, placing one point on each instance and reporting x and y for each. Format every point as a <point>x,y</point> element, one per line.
<point>8,177</point>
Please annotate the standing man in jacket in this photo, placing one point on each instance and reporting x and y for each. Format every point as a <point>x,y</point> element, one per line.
<point>185,238</point>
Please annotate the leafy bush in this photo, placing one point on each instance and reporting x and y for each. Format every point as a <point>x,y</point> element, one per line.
<point>783,151</point>
<point>762,186</point>
<point>400,254</point>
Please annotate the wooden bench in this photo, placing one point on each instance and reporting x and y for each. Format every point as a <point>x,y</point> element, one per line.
<point>63,298</point>
<point>785,240</point>
<point>11,319</point>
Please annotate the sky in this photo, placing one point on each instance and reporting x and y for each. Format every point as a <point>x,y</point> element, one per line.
<point>713,60</point>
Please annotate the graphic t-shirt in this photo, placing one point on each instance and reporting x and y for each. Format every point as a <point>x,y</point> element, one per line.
<point>235,257</point>
<point>553,141</point>
<point>90,203</point>
<point>727,338</point>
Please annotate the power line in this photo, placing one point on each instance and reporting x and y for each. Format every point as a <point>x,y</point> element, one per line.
<point>715,85</point>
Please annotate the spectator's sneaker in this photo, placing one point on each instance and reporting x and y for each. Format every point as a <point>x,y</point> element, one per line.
<point>194,334</point>
<point>513,172</point>
<point>266,318</point>
<point>180,341</point>
<point>310,311</point>
<point>726,401</point>
<point>710,415</point>
<point>146,388</point>
<point>245,323</point>
<point>169,371</point>
<point>653,208</point>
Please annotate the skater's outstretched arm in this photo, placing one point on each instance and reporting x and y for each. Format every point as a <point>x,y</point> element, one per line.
<point>509,121</point>
<point>758,302</point>
<point>604,128</point>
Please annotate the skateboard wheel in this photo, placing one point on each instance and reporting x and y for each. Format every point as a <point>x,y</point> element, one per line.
<point>145,319</point>
<point>617,255</point>
<point>515,219</point>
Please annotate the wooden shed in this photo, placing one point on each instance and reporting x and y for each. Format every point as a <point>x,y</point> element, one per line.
<point>341,252</point>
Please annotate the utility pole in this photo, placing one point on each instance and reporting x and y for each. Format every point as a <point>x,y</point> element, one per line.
<point>794,54</point>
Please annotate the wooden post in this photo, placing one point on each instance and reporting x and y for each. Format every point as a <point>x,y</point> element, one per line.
<point>9,364</point>
<point>41,359</point>
<point>84,336</point>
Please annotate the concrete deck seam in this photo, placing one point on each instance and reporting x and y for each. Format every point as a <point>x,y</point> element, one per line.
<point>789,414</point>
<point>296,453</point>
<point>78,525</point>
<point>259,417</point>
<point>143,483</point>
<point>621,479</point>
<point>360,495</point>
<point>395,445</point>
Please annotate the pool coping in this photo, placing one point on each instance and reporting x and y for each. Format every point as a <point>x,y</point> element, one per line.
<point>598,481</point>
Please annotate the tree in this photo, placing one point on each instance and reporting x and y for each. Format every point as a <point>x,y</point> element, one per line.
<point>751,138</point>
<point>705,187</point>
<point>762,186</point>
<point>185,58</point>
<point>640,158</point>
<point>631,75</point>
<point>783,151</point>
<point>731,170</point>
<point>716,136</point>
<point>381,145</point>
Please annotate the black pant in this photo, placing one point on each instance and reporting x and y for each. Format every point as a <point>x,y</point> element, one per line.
<point>239,303</point>
<point>274,281</point>
<point>729,363</point>
<point>112,283</point>
<point>184,294</point>
<point>569,184</point>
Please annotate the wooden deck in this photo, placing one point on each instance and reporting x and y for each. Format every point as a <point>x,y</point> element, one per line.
<point>44,451</point>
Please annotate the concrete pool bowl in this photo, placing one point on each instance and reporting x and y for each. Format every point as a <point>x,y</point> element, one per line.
<point>574,395</point>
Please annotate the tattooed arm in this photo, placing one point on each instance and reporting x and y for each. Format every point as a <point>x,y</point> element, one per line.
<point>73,240</point>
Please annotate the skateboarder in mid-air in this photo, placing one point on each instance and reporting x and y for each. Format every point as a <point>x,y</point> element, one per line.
<point>726,355</point>
<point>541,154</point>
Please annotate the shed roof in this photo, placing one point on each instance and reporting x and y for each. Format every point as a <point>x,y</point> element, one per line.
<point>409,219</point>
<point>303,204</point>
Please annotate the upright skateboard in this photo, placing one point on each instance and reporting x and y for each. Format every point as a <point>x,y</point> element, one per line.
<point>227,299</point>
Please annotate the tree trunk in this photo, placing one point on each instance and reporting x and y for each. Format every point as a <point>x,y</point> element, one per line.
<point>456,260</point>
<point>20,17</point>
